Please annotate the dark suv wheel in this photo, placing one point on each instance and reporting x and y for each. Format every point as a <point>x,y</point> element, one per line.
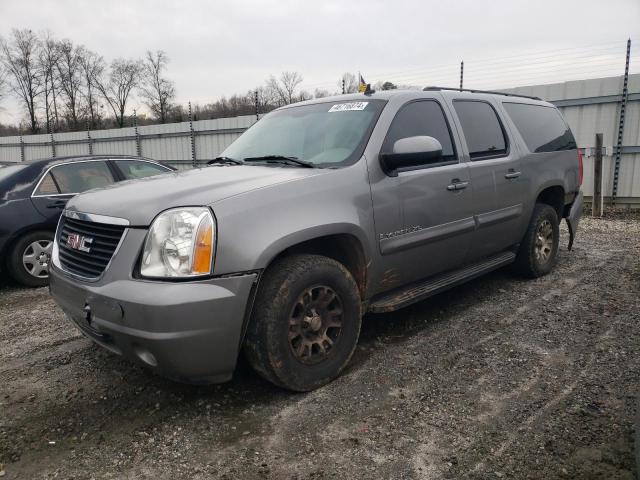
<point>305,322</point>
<point>29,258</point>
<point>539,248</point>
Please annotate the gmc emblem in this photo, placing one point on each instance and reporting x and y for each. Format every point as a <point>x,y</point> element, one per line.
<point>78,242</point>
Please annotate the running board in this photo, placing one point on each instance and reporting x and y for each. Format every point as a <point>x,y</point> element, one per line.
<point>419,291</point>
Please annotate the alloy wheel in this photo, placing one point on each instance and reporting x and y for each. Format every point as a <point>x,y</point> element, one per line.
<point>544,241</point>
<point>315,324</point>
<point>36,258</point>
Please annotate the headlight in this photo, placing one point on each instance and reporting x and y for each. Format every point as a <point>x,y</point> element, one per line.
<point>180,243</point>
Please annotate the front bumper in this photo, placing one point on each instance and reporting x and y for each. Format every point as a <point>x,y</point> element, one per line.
<point>187,331</point>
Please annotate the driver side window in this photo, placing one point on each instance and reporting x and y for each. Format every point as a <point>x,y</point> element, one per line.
<point>422,118</point>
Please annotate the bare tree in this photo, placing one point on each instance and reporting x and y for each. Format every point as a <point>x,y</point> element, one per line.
<point>349,81</point>
<point>303,95</point>
<point>284,88</point>
<point>124,76</point>
<point>156,90</point>
<point>3,85</point>
<point>70,76</point>
<point>20,58</point>
<point>321,93</point>
<point>264,99</point>
<point>48,59</point>
<point>92,67</point>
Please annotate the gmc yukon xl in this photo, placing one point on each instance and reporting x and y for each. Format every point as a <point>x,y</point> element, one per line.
<point>320,212</point>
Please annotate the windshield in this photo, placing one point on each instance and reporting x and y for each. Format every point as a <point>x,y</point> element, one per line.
<point>324,134</point>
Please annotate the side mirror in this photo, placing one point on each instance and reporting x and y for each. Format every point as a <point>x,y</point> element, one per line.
<point>410,152</point>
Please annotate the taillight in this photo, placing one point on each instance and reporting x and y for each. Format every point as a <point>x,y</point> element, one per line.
<point>580,167</point>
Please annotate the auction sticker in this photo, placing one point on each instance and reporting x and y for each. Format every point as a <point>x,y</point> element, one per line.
<point>348,107</point>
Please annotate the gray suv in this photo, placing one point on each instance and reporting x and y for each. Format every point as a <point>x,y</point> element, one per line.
<point>320,212</point>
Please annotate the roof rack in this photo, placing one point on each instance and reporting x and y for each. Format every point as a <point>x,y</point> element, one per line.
<point>427,89</point>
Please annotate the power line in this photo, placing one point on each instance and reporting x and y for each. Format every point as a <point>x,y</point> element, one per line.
<point>524,60</point>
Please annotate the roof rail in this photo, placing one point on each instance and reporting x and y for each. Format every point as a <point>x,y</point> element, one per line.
<point>427,89</point>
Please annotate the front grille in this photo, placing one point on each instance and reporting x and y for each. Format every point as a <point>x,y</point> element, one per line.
<point>105,240</point>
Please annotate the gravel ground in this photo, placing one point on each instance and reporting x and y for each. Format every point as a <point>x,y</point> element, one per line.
<point>499,378</point>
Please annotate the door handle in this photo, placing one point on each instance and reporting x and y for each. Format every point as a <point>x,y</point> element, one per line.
<point>512,174</point>
<point>58,204</point>
<point>457,185</point>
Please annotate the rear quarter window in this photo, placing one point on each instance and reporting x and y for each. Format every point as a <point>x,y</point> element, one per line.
<point>542,128</point>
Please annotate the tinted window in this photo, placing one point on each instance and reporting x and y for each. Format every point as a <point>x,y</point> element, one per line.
<point>47,186</point>
<point>481,128</point>
<point>81,176</point>
<point>542,128</point>
<point>134,169</point>
<point>419,119</point>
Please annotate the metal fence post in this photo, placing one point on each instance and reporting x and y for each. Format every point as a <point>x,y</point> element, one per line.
<point>192,137</point>
<point>461,74</point>
<point>21,149</point>
<point>135,128</point>
<point>623,107</point>
<point>89,143</point>
<point>53,146</point>
<point>596,202</point>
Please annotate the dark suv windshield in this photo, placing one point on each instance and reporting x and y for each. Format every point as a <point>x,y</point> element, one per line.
<point>325,134</point>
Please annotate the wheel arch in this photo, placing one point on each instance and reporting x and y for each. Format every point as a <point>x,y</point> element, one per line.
<point>554,196</point>
<point>18,234</point>
<point>341,244</point>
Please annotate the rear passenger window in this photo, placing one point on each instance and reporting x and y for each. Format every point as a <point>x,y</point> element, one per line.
<point>47,186</point>
<point>77,177</point>
<point>419,119</point>
<point>482,129</point>
<point>542,128</point>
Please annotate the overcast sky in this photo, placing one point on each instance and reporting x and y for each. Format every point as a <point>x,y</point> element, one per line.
<point>223,47</point>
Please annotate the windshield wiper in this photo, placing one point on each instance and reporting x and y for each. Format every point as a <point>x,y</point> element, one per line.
<point>225,161</point>
<point>281,159</point>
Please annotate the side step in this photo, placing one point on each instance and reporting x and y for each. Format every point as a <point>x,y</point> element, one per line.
<point>419,291</point>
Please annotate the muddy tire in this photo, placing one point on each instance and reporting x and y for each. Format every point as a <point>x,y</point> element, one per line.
<point>539,248</point>
<point>29,258</point>
<point>305,322</point>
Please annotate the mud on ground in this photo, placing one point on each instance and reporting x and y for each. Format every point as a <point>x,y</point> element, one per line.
<point>499,378</point>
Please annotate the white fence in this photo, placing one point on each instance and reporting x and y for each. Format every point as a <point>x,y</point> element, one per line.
<point>177,143</point>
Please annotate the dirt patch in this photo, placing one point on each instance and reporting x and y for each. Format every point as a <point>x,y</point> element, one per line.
<point>499,378</point>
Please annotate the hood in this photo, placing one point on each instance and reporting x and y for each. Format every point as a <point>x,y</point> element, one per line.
<point>139,201</point>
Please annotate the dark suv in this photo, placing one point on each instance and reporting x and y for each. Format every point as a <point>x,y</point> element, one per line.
<point>320,212</point>
<point>33,195</point>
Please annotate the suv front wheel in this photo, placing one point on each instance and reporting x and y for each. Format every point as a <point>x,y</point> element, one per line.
<point>539,248</point>
<point>305,322</point>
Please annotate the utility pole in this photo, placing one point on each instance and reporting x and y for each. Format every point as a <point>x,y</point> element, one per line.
<point>623,107</point>
<point>461,74</point>
<point>596,202</point>
<point>257,110</point>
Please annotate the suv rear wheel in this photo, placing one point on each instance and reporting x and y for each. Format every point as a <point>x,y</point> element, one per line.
<point>29,259</point>
<point>305,322</point>
<point>539,248</point>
